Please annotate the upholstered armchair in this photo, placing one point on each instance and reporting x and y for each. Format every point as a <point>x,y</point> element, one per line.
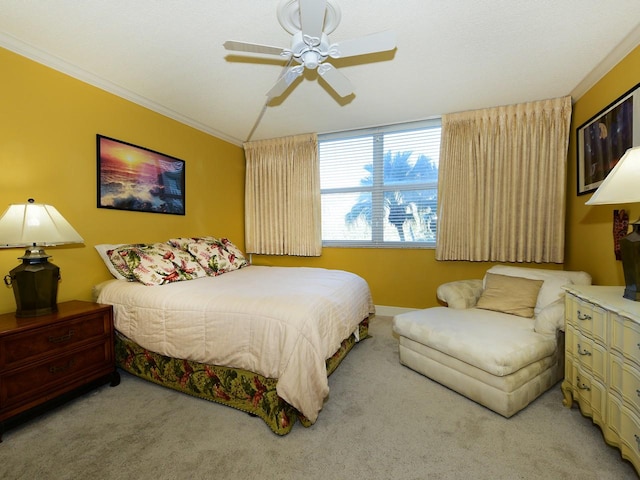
<point>498,341</point>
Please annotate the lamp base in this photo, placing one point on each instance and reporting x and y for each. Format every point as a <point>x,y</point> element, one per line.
<point>630,252</point>
<point>35,284</point>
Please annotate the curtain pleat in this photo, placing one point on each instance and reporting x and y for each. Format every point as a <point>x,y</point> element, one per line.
<point>282,196</point>
<point>502,182</point>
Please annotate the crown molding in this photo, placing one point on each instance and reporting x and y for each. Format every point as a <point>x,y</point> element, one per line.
<point>17,46</point>
<point>621,50</point>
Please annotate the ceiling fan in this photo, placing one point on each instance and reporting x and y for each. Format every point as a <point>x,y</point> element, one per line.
<point>310,22</point>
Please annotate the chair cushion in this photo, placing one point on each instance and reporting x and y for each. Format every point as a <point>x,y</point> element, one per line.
<point>507,294</point>
<point>551,289</point>
<point>495,342</point>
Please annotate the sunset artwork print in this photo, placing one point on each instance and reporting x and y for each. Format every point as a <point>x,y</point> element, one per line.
<point>138,179</point>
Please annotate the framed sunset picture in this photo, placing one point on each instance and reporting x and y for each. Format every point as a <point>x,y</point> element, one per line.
<point>138,179</point>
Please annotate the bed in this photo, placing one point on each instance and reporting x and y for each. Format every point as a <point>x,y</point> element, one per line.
<point>260,339</point>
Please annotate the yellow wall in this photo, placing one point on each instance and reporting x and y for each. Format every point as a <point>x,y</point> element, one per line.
<point>48,152</point>
<point>410,278</point>
<point>590,228</point>
<point>48,127</point>
<point>400,278</point>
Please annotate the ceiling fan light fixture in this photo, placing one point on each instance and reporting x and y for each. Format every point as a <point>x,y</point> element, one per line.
<point>310,22</point>
<point>311,59</point>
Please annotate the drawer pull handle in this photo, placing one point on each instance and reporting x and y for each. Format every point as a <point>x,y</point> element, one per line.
<point>637,440</point>
<point>61,368</point>
<point>582,386</point>
<point>583,316</point>
<point>62,338</point>
<point>582,351</point>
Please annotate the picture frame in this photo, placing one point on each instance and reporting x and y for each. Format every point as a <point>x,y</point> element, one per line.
<point>604,138</point>
<point>138,179</point>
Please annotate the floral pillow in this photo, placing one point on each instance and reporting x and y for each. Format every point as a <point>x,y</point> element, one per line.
<point>119,264</point>
<point>159,263</point>
<point>236,257</point>
<point>183,242</point>
<point>216,256</point>
<point>211,256</point>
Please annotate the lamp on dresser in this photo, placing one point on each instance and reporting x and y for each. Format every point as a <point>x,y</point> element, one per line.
<point>622,185</point>
<point>35,281</point>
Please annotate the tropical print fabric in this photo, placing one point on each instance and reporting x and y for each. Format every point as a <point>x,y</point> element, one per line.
<point>238,388</point>
<point>119,264</point>
<point>158,263</point>
<point>216,256</point>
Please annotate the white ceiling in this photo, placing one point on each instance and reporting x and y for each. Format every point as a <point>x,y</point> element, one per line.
<point>451,56</point>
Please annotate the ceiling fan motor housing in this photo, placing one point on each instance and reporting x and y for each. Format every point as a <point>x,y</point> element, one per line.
<point>310,51</point>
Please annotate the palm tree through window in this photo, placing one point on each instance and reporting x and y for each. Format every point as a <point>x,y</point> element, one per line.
<point>380,188</point>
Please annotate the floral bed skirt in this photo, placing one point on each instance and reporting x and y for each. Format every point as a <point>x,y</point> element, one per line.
<point>234,387</point>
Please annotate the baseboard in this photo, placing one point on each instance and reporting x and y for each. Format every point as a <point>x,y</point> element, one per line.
<point>386,311</point>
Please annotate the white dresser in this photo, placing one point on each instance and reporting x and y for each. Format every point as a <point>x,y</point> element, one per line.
<point>602,364</point>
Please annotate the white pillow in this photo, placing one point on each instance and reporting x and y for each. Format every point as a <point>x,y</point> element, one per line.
<point>102,251</point>
<point>551,290</point>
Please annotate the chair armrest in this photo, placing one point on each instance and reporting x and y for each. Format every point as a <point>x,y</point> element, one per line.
<point>460,294</point>
<point>550,320</point>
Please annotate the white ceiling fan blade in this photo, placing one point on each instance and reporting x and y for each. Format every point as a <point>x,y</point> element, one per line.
<point>376,42</point>
<point>285,80</point>
<point>336,80</point>
<point>312,17</point>
<point>256,48</point>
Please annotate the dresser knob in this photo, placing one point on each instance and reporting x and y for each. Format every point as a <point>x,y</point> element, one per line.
<point>61,368</point>
<point>583,316</point>
<point>582,386</point>
<point>582,351</point>
<point>62,338</point>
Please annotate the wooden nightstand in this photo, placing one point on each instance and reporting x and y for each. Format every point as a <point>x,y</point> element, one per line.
<point>46,359</point>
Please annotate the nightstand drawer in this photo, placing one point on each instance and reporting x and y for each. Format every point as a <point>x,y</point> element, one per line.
<point>48,358</point>
<point>25,383</point>
<point>27,346</point>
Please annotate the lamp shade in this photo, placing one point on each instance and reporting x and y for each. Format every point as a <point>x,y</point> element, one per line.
<point>622,184</point>
<point>35,224</point>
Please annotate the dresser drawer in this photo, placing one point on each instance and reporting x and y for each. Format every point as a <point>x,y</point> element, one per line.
<point>588,392</point>
<point>630,435</point>
<point>66,370</point>
<point>602,363</point>
<point>625,380</point>
<point>45,341</point>
<point>590,355</point>
<point>586,318</point>
<point>625,338</point>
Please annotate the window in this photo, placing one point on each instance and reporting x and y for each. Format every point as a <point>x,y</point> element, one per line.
<point>379,187</point>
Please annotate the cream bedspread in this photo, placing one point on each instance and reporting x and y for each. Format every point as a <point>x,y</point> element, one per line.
<point>280,322</point>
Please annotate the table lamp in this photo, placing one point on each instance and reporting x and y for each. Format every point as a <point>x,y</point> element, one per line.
<point>622,185</point>
<point>35,281</point>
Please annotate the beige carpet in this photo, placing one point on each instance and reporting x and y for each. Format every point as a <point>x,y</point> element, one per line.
<point>382,421</point>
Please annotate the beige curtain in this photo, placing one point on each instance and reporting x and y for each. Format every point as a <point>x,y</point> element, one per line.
<point>502,182</point>
<point>282,196</point>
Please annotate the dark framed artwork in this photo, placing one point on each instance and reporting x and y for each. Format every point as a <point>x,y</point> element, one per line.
<point>138,179</point>
<point>604,138</point>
